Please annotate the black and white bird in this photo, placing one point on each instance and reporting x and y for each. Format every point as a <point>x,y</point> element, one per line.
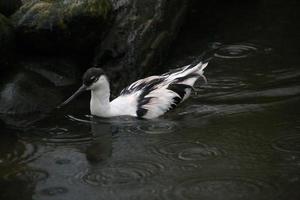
<point>146,98</point>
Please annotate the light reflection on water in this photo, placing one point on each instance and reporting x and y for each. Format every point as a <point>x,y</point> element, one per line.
<point>236,137</point>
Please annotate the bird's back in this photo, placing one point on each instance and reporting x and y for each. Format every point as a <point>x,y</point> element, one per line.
<point>153,96</point>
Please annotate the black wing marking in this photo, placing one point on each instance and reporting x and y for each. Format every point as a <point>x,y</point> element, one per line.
<point>181,90</point>
<point>141,85</point>
<point>146,88</point>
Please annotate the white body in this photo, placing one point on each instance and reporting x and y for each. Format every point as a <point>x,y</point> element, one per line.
<point>160,97</point>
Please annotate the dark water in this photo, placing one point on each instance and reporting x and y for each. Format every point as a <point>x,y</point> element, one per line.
<point>238,137</point>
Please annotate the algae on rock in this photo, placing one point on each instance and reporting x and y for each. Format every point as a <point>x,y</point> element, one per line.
<point>58,26</point>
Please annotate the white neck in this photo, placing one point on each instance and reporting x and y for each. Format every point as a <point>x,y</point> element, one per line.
<point>100,104</point>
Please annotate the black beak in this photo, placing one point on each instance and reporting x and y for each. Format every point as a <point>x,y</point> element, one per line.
<point>78,92</point>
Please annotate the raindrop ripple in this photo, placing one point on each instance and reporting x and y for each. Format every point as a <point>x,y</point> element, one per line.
<point>236,51</point>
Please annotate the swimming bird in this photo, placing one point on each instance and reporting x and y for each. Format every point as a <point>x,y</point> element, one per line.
<point>146,98</point>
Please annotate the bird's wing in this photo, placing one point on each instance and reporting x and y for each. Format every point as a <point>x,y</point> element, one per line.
<point>139,85</point>
<point>156,95</point>
<point>159,100</point>
<point>189,74</point>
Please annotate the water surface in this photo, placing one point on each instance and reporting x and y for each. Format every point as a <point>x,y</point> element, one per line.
<point>237,137</point>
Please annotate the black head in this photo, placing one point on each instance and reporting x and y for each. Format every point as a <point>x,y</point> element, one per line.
<point>91,76</point>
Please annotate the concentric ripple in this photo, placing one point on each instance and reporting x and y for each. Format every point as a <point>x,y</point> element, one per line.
<point>153,127</point>
<point>236,51</point>
<point>120,173</point>
<point>289,144</point>
<point>219,188</point>
<point>59,135</point>
<point>31,175</point>
<point>188,151</point>
<point>21,152</point>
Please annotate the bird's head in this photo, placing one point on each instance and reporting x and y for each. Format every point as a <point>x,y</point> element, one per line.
<point>92,79</point>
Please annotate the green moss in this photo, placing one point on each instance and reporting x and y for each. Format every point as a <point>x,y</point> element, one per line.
<point>103,7</point>
<point>36,13</point>
<point>67,23</point>
<point>92,8</point>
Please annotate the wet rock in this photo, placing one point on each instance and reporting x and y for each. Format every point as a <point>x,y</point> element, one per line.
<point>26,92</point>
<point>140,37</point>
<point>6,39</point>
<point>8,7</point>
<point>59,71</point>
<point>36,85</point>
<point>55,26</point>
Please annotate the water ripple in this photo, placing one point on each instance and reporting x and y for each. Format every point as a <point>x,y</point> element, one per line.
<point>188,151</point>
<point>155,127</point>
<point>21,153</point>
<point>120,173</point>
<point>290,144</point>
<point>236,51</point>
<point>232,188</point>
<point>59,135</point>
<point>200,110</point>
<point>54,191</point>
<point>30,175</point>
<point>85,120</point>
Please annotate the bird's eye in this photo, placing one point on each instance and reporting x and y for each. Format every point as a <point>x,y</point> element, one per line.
<point>93,78</point>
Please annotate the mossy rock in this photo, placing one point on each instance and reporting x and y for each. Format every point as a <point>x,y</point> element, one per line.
<point>62,26</point>
<point>6,39</point>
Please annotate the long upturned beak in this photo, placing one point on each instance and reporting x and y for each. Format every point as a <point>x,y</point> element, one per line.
<point>77,93</point>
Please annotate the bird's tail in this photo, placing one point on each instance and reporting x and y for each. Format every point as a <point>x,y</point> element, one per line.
<point>201,66</point>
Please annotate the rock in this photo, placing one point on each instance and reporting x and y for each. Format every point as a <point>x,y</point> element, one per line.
<point>64,27</point>
<point>8,7</point>
<point>59,71</point>
<point>6,39</point>
<point>139,40</point>
<point>36,85</point>
<point>27,92</point>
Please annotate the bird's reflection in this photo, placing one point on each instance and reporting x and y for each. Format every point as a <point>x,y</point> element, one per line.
<point>101,147</point>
